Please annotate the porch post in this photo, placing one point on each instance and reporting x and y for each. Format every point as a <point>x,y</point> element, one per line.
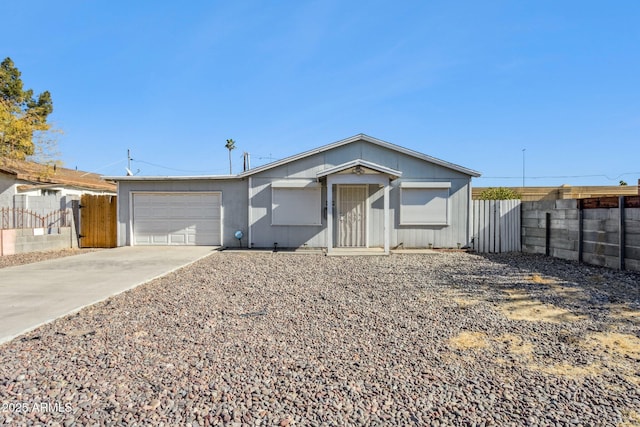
<point>329,214</point>
<point>387,231</point>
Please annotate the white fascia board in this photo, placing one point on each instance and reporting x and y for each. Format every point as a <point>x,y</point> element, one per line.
<point>296,183</point>
<point>424,184</point>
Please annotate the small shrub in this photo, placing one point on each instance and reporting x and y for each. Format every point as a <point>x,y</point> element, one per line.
<point>499,193</point>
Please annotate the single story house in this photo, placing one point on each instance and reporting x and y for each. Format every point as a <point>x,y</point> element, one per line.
<point>43,188</point>
<point>360,192</point>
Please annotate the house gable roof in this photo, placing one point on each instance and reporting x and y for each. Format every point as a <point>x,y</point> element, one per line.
<point>367,138</point>
<point>34,175</point>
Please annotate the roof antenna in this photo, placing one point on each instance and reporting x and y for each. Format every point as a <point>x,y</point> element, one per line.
<point>128,168</point>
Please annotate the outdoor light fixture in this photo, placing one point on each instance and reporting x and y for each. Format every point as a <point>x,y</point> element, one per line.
<point>239,235</point>
<point>358,170</point>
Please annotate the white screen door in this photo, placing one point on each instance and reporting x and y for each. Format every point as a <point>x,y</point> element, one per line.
<point>352,212</point>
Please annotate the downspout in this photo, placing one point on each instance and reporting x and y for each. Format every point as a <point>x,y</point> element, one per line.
<point>329,214</point>
<point>250,205</point>
<point>118,215</point>
<point>469,212</point>
<point>130,219</point>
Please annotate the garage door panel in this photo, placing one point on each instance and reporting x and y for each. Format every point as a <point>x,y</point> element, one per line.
<point>177,219</point>
<point>159,240</point>
<point>142,240</point>
<point>178,239</point>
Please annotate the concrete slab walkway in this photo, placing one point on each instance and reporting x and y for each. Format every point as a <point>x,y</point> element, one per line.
<point>34,294</point>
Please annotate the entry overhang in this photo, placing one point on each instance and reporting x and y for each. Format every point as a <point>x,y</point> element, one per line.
<point>382,176</point>
<point>393,174</point>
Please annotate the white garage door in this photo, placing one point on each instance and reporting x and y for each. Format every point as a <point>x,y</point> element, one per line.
<point>176,219</point>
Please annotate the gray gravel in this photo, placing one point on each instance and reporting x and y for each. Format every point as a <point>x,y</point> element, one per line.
<point>31,257</point>
<point>286,339</point>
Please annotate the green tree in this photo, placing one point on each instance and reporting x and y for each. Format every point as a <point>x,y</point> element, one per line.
<point>23,117</point>
<point>230,145</point>
<point>498,193</point>
<point>623,183</point>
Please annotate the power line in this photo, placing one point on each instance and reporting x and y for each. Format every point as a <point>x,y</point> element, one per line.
<point>105,166</point>
<point>168,168</point>
<point>562,176</point>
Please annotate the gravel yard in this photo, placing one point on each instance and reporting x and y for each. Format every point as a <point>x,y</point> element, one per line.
<point>31,257</point>
<point>287,339</point>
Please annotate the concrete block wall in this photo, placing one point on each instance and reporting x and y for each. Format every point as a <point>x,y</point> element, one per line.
<point>564,228</point>
<point>25,240</point>
<point>600,233</point>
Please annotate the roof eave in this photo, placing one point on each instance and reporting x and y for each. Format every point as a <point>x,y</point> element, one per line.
<point>171,178</point>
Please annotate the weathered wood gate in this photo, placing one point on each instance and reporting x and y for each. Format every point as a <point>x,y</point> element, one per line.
<point>496,226</point>
<point>98,221</point>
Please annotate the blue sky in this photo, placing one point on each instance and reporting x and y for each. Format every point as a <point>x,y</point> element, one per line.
<point>469,82</point>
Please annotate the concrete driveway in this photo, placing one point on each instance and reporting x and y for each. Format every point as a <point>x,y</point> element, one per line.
<point>34,294</point>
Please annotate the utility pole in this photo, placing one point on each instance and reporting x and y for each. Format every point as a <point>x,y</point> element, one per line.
<point>523,164</point>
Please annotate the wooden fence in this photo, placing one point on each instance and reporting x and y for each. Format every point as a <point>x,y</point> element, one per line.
<point>98,221</point>
<point>17,218</point>
<point>496,226</point>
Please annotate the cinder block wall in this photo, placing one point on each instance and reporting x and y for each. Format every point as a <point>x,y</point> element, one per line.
<point>600,232</point>
<point>28,240</point>
<point>18,241</point>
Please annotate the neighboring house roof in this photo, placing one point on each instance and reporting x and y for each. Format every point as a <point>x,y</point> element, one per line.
<point>36,176</point>
<point>367,138</point>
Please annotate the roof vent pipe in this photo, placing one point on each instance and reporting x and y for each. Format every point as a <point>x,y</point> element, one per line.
<point>246,161</point>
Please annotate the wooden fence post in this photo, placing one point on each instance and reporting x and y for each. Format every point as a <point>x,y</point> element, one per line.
<point>547,234</point>
<point>621,233</point>
<point>580,230</point>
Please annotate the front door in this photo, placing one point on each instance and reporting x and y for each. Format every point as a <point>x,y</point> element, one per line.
<point>352,216</point>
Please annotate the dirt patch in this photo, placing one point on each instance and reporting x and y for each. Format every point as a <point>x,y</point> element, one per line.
<point>521,306</point>
<point>537,278</point>
<point>622,352</point>
<point>621,343</point>
<point>571,371</point>
<point>625,313</point>
<point>633,419</point>
<point>469,340</point>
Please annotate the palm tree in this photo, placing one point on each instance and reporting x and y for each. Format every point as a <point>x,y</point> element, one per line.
<point>230,145</point>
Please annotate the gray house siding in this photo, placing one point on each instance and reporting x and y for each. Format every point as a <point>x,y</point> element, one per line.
<point>457,232</point>
<point>234,203</point>
<point>263,234</point>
